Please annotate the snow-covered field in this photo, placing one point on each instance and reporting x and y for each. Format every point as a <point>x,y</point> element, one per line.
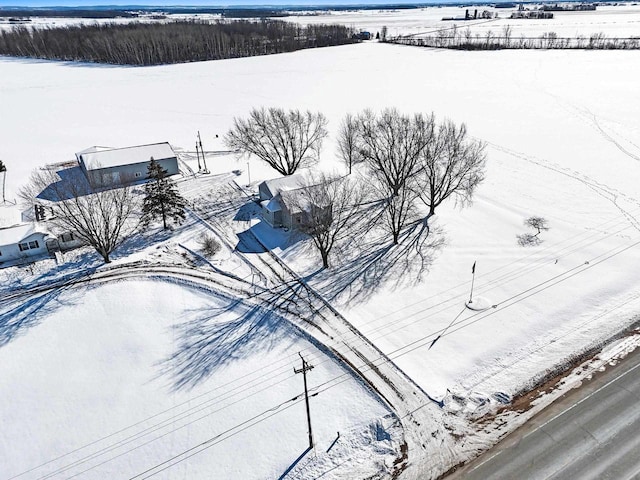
<point>620,20</point>
<point>563,135</point>
<point>114,380</point>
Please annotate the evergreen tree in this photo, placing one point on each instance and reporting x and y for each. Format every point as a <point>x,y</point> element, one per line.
<point>161,197</point>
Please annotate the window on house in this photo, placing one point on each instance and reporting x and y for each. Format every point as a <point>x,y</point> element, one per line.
<point>0,253</point>
<point>67,237</point>
<point>28,245</point>
<point>137,174</point>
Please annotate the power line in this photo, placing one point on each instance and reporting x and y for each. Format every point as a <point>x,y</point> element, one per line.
<point>513,300</point>
<point>150,417</point>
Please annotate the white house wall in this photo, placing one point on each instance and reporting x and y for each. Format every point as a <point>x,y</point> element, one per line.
<point>12,252</point>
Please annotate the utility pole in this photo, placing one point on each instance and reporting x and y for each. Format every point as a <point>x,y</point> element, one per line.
<point>305,368</point>
<point>249,173</point>
<point>198,155</point>
<point>473,278</point>
<point>204,161</point>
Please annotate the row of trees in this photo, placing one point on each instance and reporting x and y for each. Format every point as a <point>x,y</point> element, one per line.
<point>138,43</point>
<point>409,160</point>
<point>104,219</point>
<point>455,38</point>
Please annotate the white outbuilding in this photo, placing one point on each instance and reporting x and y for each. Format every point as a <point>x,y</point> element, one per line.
<point>108,167</point>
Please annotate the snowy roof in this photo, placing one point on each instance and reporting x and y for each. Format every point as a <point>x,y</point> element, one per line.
<point>94,149</point>
<point>9,215</point>
<point>272,205</point>
<point>15,234</point>
<point>95,158</point>
<point>284,184</point>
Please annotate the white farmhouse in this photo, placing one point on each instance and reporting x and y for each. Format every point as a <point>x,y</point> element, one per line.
<point>275,199</point>
<point>22,242</point>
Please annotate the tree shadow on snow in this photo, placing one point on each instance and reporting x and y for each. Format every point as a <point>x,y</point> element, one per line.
<point>19,315</point>
<point>376,263</point>
<point>220,336</point>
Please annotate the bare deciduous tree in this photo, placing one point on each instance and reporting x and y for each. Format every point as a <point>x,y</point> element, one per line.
<point>392,144</point>
<point>399,210</point>
<point>286,141</point>
<point>452,164</point>
<point>349,142</point>
<point>103,219</point>
<point>533,239</point>
<point>331,207</point>
<point>539,223</point>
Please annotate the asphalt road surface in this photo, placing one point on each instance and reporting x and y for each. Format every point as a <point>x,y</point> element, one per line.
<point>593,433</point>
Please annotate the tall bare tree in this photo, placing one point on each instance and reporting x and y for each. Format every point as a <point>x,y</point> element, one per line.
<point>451,165</point>
<point>350,142</point>
<point>286,141</point>
<point>103,219</point>
<point>399,211</point>
<point>392,144</point>
<point>331,207</point>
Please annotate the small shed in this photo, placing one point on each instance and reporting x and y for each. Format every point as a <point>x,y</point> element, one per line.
<point>21,242</point>
<point>107,167</point>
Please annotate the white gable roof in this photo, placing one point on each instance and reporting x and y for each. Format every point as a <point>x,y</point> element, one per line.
<point>284,184</point>
<point>94,149</point>
<point>95,158</point>
<point>14,235</point>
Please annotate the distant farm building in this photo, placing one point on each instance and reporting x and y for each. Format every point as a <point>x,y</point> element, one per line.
<point>362,36</point>
<point>107,167</point>
<point>532,14</point>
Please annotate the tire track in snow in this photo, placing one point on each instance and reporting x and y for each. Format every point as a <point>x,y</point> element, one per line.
<point>608,193</point>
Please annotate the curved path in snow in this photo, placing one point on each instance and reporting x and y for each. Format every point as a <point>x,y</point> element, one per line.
<point>427,448</point>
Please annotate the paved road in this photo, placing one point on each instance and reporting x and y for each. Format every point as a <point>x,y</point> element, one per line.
<point>596,436</point>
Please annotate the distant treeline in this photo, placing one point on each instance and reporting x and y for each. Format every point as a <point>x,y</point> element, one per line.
<point>65,13</point>
<point>464,40</point>
<point>161,43</point>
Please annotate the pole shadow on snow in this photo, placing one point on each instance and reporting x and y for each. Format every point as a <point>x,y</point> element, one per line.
<point>293,465</point>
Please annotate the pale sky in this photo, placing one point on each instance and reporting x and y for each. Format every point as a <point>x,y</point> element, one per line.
<point>202,3</point>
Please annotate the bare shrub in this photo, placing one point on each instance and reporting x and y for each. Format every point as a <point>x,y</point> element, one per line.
<point>539,223</point>
<point>209,246</point>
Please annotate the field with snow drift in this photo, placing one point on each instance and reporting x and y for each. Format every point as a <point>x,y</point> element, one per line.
<point>563,136</point>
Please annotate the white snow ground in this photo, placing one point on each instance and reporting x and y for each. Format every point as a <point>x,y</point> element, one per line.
<point>110,381</point>
<point>562,130</point>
